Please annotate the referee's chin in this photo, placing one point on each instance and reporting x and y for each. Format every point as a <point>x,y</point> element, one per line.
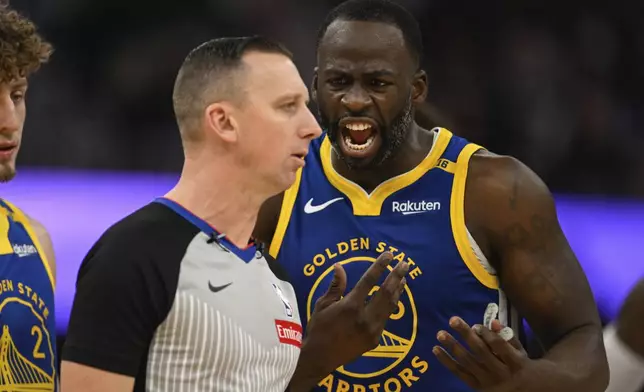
<point>283,181</point>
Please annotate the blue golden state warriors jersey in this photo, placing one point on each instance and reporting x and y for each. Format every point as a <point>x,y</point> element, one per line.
<point>418,216</point>
<point>27,322</point>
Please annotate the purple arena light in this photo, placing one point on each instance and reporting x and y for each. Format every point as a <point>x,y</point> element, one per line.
<point>78,206</point>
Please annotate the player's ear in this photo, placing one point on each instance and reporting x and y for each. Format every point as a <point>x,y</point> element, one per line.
<point>220,120</point>
<point>314,86</point>
<point>419,92</point>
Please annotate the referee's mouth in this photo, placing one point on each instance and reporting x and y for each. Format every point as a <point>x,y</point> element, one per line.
<point>300,156</point>
<point>359,137</point>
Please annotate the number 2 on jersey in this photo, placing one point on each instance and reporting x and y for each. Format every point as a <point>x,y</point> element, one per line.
<point>35,330</point>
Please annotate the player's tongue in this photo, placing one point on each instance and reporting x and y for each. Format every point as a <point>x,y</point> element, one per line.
<point>359,137</point>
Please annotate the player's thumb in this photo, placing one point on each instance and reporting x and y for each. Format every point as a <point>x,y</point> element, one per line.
<point>336,288</point>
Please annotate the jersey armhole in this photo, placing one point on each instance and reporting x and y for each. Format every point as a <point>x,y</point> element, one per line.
<point>286,210</point>
<point>462,238</point>
<point>21,217</point>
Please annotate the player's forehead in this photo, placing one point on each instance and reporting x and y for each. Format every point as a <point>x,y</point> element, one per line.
<point>272,76</point>
<point>370,45</point>
<point>13,84</point>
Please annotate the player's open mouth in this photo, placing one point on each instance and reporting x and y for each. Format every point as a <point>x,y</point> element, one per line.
<point>360,137</point>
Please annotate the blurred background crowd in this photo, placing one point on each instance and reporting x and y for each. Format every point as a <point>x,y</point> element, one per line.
<point>556,84</point>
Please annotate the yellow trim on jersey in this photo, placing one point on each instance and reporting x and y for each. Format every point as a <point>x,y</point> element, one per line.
<point>370,204</point>
<point>20,217</point>
<point>285,215</point>
<point>446,165</point>
<point>457,212</point>
<point>5,244</point>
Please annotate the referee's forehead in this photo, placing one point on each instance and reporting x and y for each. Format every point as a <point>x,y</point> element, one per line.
<point>272,75</point>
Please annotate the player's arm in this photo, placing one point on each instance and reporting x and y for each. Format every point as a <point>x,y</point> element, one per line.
<point>45,241</point>
<point>512,211</point>
<point>119,302</point>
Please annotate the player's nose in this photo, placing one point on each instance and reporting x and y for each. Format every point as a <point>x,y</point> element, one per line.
<point>356,99</point>
<point>9,122</point>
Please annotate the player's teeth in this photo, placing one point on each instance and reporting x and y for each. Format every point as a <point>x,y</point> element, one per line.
<point>358,147</point>
<point>358,127</point>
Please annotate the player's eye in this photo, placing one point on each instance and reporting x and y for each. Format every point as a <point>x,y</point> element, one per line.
<point>379,83</point>
<point>17,96</point>
<point>337,82</point>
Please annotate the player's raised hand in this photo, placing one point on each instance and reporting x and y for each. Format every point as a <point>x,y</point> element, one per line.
<point>343,328</point>
<point>490,361</point>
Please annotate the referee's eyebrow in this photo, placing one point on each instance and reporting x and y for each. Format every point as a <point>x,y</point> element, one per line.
<point>288,97</point>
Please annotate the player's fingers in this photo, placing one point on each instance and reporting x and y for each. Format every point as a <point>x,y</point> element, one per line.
<point>370,278</point>
<point>336,289</point>
<point>508,335</point>
<point>457,369</point>
<point>385,300</point>
<point>496,326</point>
<point>516,344</point>
<point>503,350</point>
<point>462,356</point>
<point>478,347</point>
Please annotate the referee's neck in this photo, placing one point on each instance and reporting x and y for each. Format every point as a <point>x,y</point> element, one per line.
<point>221,195</point>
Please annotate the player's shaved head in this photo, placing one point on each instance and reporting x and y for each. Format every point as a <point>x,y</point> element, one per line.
<point>380,11</point>
<point>213,72</point>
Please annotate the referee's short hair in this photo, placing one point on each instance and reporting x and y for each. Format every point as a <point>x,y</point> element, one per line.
<point>210,73</point>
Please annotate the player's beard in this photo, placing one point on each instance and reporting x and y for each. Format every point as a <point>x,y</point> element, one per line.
<point>392,136</point>
<point>7,172</point>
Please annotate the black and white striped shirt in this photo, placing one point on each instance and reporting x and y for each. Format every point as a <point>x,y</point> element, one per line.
<point>161,298</point>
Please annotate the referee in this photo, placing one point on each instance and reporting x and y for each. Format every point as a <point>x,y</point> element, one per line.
<point>175,296</point>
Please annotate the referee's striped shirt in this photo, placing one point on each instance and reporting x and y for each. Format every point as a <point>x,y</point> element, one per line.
<point>160,298</point>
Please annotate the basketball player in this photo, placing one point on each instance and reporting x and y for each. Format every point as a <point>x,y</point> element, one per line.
<point>174,296</point>
<point>624,340</point>
<point>467,221</point>
<point>27,266</point>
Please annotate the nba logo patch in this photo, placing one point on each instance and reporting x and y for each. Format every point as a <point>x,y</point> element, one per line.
<point>288,309</point>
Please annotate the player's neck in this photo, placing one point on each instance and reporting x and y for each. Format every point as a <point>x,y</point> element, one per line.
<point>409,155</point>
<point>220,197</point>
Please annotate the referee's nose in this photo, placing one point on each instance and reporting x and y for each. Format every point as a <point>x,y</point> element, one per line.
<point>310,128</point>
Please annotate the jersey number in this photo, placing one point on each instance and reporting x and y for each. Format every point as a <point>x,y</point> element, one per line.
<point>35,330</point>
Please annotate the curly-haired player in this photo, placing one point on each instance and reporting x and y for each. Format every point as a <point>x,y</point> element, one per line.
<point>27,322</point>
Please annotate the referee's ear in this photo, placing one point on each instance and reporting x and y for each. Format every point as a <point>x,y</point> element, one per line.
<point>221,121</point>
<point>314,86</point>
